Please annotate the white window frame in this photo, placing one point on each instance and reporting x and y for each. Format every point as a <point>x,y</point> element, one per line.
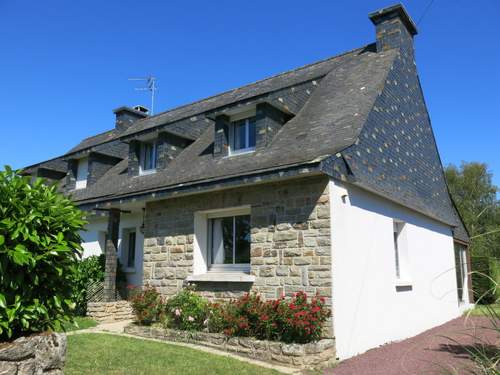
<point>82,173</point>
<point>142,157</point>
<point>247,116</point>
<point>401,256</point>
<point>202,243</point>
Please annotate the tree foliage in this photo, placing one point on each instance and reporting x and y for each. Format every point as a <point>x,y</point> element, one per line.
<point>475,195</point>
<point>39,248</point>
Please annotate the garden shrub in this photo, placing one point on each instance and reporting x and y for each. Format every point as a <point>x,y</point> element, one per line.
<point>147,304</point>
<point>39,248</point>
<point>296,320</point>
<point>186,311</point>
<point>482,280</point>
<point>88,270</point>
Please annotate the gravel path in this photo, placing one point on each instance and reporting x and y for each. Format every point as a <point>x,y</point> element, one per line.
<point>431,352</point>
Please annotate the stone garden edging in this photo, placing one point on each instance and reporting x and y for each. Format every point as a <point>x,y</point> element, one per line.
<point>34,355</point>
<point>314,355</point>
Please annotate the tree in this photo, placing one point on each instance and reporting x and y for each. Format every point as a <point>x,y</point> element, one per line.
<point>475,195</point>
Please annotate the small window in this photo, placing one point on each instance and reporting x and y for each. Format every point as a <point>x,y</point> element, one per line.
<point>131,250</point>
<point>242,135</point>
<point>400,251</point>
<point>82,173</point>
<point>147,158</point>
<point>229,239</point>
<point>460,270</point>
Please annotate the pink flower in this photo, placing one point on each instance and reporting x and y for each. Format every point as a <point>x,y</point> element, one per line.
<point>190,318</point>
<point>205,322</point>
<point>177,312</point>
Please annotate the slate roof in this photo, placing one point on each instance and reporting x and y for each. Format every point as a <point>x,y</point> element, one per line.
<point>95,140</point>
<point>334,113</point>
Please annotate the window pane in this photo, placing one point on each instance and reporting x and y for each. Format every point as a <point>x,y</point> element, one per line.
<point>131,250</point>
<point>242,239</point>
<point>239,135</point>
<point>222,240</point>
<point>149,157</point>
<point>251,132</point>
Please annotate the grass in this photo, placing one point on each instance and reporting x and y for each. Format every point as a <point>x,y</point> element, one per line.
<point>117,355</point>
<point>482,310</point>
<point>81,322</point>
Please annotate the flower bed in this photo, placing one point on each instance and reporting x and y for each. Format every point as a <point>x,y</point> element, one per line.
<point>298,320</point>
<point>284,331</point>
<point>314,355</point>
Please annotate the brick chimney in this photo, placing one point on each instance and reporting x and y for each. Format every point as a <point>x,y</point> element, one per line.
<point>126,116</point>
<point>394,28</point>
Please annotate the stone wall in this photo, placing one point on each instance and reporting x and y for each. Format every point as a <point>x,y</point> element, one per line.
<point>110,311</point>
<point>314,355</point>
<point>34,355</point>
<point>290,240</point>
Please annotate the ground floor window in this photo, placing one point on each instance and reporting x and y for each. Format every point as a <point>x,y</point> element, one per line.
<point>229,242</point>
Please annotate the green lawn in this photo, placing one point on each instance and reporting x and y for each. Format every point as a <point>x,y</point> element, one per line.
<point>81,323</point>
<point>483,310</point>
<point>92,354</point>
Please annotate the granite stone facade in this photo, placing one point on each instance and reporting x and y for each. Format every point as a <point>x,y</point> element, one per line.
<point>290,240</point>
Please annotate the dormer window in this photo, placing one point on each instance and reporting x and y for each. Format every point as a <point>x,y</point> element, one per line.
<point>147,159</point>
<point>82,173</point>
<point>242,135</point>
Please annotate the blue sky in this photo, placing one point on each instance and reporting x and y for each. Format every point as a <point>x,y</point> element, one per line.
<point>64,65</point>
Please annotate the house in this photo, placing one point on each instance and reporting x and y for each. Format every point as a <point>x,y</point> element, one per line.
<point>326,179</point>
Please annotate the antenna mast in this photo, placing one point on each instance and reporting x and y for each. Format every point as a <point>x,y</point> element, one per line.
<point>150,85</point>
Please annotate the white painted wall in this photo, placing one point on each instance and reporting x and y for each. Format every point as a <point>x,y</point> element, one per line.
<point>368,309</point>
<point>93,243</point>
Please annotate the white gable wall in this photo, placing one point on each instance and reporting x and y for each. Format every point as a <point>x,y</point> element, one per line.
<point>368,309</point>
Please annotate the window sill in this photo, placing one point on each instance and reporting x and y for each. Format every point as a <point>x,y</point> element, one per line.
<point>403,282</point>
<point>234,277</point>
<point>146,172</point>
<point>241,152</point>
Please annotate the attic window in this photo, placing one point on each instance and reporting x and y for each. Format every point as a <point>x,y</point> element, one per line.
<point>82,173</point>
<point>242,135</point>
<point>147,157</point>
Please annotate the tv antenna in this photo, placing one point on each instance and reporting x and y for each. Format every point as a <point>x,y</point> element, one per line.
<point>150,85</point>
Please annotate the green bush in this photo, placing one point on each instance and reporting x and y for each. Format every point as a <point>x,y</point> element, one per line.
<point>482,280</point>
<point>39,247</point>
<point>186,311</point>
<point>88,270</point>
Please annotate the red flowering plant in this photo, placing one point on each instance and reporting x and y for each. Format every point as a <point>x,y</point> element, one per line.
<point>297,320</point>
<point>147,305</point>
<point>302,321</point>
